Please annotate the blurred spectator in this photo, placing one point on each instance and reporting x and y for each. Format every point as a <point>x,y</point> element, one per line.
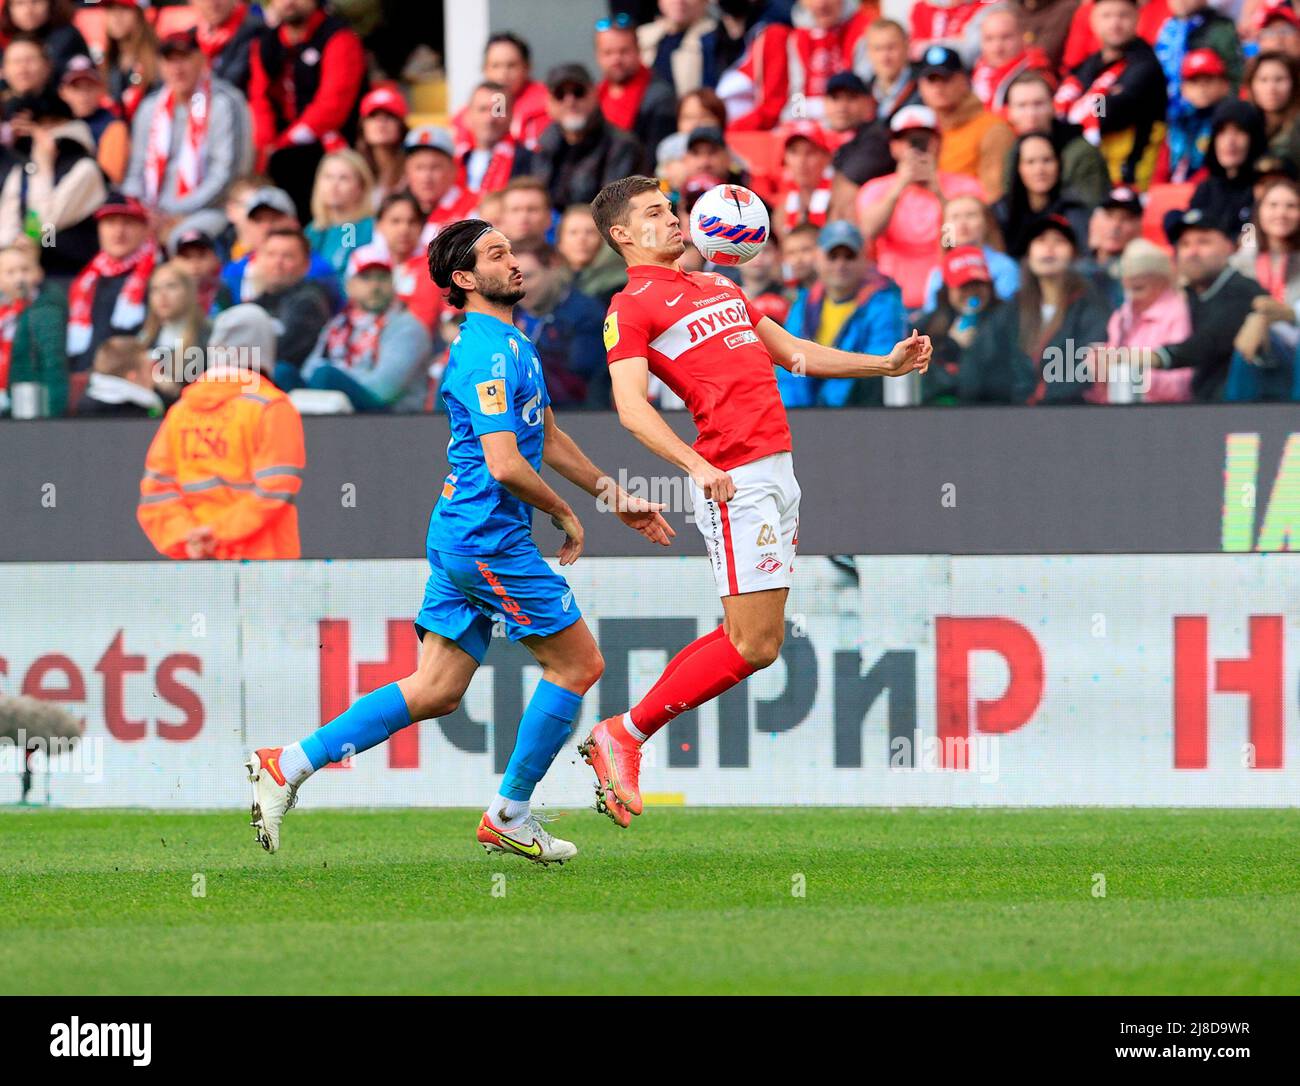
<point>1273,85</point>
<point>82,88</point>
<point>892,84</point>
<point>266,210</point>
<point>598,271</point>
<point>864,150</point>
<point>108,297</point>
<point>189,140</point>
<point>1004,55</point>
<point>963,303</point>
<point>235,241</point>
<point>299,304</point>
<point>492,156</point>
<point>382,139</point>
<point>1218,297</point>
<point>228,33</point>
<point>701,109</point>
<point>50,23</point>
<point>1153,314</point>
<point>374,352</point>
<point>852,307</point>
<point>131,55</point>
<point>799,257</point>
<point>1046,24</point>
<point>707,153</point>
<point>950,24</point>
<point>1036,190</point>
<point>1187,135</point>
<point>397,236</point>
<point>1237,141</point>
<point>689,48</point>
<point>490,204</point>
<point>176,329</point>
<point>1192,25</point>
<point>1118,95</point>
<point>968,222</point>
<point>1115,223</point>
<point>431,179</point>
<point>632,97</point>
<point>507,60</point>
<point>1082,41</point>
<point>1279,29</point>
<point>121,383</point>
<point>564,325</point>
<point>670,162</point>
<point>342,211</point>
<point>579,152</point>
<point>805,192</point>
<point>33,315</point>
<point>848,108</point>
<point>760,279</point>
<point>194,249</point>
<point>1029,109</point>
<point>974,141</point>
<point>304,89</point>
<point>27,71</point>
<point>782,75</point>
<point>1030,349</point>
<point>902,211</point>
<point>525,210</point>
<point>52,185</point>
<point>232,496</point>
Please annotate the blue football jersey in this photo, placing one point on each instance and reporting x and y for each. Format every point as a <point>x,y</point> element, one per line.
<point>493,382</point>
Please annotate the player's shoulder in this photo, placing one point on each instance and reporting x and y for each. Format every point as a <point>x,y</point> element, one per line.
<point>637,294</point>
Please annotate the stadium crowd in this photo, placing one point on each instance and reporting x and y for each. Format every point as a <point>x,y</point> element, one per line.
<point>1027,181</point>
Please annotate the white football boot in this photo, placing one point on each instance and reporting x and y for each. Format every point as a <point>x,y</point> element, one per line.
<point>273,796</point>
<point>529,841</point>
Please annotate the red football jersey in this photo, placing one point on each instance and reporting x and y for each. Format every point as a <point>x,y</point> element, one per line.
<point>696,329</point>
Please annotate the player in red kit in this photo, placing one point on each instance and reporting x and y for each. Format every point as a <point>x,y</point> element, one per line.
<point>699,334</point>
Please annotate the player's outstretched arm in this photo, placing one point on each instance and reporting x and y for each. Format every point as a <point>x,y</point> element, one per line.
<point>506,464</point>
<point>564,454</point>
<point>630,378</point>
<point>809,359</point>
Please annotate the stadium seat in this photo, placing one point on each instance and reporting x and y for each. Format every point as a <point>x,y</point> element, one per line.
<point>174,20</point>
<point>1162,199</point>
<point>90,21</point>
<point>762,154</point>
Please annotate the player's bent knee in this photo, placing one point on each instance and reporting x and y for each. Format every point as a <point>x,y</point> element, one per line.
<point>760,652</point>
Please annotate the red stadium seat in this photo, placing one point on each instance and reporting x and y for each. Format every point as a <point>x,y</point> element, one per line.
<point>90,21</point>
<point>1160,200</point>
<point>175,20</point>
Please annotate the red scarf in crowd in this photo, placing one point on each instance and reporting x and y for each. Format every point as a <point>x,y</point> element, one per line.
<point>457,203</point>
<point>818,204</point>
<point>9,313</point>
<point>352,338</point>
<point>990,84</point>
<point>189,158</point>
<point>1078,104</point>
<point>622,103</point>
<point>128,310</point>
<point>214,39</point>
<point>499,167</point>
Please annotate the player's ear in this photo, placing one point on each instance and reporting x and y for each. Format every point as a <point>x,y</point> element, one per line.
<point>463,279</point>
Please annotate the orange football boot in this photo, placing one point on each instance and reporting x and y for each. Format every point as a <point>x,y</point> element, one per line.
<point>617,763</point>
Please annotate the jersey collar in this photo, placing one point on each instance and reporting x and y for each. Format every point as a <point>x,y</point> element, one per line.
<point>653,271</point>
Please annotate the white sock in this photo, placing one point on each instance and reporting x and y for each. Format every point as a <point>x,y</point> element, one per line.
<point>632,729</point>
<point>509,814</point>
<point>295,765</point>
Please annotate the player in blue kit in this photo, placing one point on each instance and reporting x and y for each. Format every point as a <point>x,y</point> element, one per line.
<point>484,565</point>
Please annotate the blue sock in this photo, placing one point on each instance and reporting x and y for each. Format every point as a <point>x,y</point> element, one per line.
<point>370,721</point>
<point>543,729</point>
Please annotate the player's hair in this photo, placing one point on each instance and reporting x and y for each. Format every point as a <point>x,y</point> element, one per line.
<point>610,207</point>
<point>295,233</point>
<point>452,251</point>
<point>510,38</point>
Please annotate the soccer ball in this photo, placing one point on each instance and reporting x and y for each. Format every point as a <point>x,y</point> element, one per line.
<point>729,225</point>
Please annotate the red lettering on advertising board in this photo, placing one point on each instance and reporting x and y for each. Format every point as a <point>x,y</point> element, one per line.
<point>336,688</point>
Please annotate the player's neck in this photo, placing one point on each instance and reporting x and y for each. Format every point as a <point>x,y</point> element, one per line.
<point>653,260</point>
<point>503,313</point>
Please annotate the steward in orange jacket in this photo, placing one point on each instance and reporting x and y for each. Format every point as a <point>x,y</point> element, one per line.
<point>224,468</point>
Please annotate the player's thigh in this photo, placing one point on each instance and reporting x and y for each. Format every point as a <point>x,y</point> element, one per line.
<point>755,624</point>
<point>570,659</point>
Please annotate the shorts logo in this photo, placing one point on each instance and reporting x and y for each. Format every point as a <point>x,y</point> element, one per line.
<point>739,339</point>
<point>491,397</point>
<point>507,604</point>
<point>611,331</point>
<point>566,601</point>
<point>766,536</point>
<point>769,565</point>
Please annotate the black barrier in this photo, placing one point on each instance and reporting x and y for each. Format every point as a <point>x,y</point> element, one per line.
<point>968,480</point>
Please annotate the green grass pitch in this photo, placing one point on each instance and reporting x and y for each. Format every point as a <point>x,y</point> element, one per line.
<point>687,900</point>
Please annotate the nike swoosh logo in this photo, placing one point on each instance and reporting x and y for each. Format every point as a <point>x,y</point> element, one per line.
<point>272,766</point>
<point>532,849</point>
<point>673,302</point>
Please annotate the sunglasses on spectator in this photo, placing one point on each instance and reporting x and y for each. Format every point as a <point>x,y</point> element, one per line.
<point>621,21</point>
<point>570,90</point>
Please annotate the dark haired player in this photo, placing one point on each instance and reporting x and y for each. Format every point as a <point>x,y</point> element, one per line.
<point>697,333</point>
<point>484,565</point>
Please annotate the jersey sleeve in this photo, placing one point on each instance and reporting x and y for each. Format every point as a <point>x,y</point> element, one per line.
<point>627,333</point>
<point>484,383</point>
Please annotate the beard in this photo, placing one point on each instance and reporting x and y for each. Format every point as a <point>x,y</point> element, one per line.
<point>500,292</point>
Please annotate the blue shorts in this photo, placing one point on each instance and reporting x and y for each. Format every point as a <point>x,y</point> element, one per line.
<point>468,596</point>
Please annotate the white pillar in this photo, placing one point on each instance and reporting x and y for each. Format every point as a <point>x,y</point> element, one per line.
<point>465,33</point>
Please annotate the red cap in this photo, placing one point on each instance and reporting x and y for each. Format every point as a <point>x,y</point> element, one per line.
<point>369,256</point>
<point>1203,62</point>
<point>1278,9</point>
<point>963,265</point>
<point>385,100</point>
<point>804,130</point>
<point>122,205</point>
